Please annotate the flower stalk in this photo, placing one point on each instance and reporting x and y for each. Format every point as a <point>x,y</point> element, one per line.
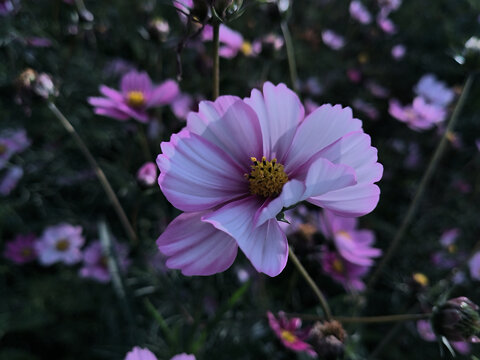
<point>366,319</point>
<point>311,283</point>
<point>432,166</point>
<point>98,171</point>
<point>292,65</point>
<point>216,59</point>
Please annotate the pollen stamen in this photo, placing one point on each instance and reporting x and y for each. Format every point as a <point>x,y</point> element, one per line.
<point>135,98</point>
<point>266,178</point>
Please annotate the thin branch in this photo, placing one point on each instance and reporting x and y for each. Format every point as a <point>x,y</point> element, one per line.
<point>216,60</point>
<point>316,290</point>
<point>365,319</point>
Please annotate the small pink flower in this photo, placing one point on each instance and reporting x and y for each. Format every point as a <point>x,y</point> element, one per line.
<point>354,75</point>
<point>11,143</point>
<point>434,91</point>
<point>137,95</point>
<point>183,356</point>
<point>138,353</point>
<point>418,116</point>
<point>359,12</point>
<point>95,264</point>
<point>60,243</point>
<point>21,249</point>
<point>386,25</point>
<point>238,163</point>
<point>353,245</point>
<point>231,41</point>
<point>343,271</point>
<point>333,40</point>
<point>399,51</point>
<point>147,174</point>
<point>36,41</point>
<point>367,108</point>
<point>290,333</point>
<point>7,6</point>
<point>376,89</point>
<point>10,181</point>
<point>474,266</point>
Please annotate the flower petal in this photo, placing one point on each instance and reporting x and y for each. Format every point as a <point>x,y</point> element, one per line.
<point>136,81</point>
<point>196,247</point>
<point>196,175</point>
<point>280,112</point>
<point>164,93</point>
<point>111,93</point>
<point>231,125</point>
<point>138,353</point>
<point>356,200</point>
<point>321,128</point>
<point>265,246</point>
<point>114,113</point>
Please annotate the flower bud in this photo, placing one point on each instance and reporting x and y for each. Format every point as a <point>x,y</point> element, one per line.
<point>457,320</point>
<point>328,339</point>
<point>159,29</point>
<point>472,53</point>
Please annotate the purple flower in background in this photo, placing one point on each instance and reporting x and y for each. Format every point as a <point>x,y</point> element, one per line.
<point>376,89</point>
<point>310,106</point>
<point>399,51</point>
<point>359,12</point>
<point>136,96</point>
<point>352,244</point>
<point>60,243</point>
<point>386,25</point>
<point>343,271</point>
<point>36,41</point>
<point>474,266</point>
<point>290,333</point>
<point>238,163</point>
<point>387,6</point>
<point>7,7</point>
<point>425,331</point>
<point>12,142</point>
<point>183,356</point>
<point>147,174</point>
<point>333,40</point>
<point>231,41</point>
<point>418,116</point>
<point>9,182</point>
<point>95,264</point>
<point>118,67</point>
<point>367,108</point>
<point>434,91</point>
<point>21,249</point>
<point>138,353</point>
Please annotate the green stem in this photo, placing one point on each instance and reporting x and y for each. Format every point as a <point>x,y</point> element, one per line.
<point>98,171</point>
<point>423,184</point>
<point>316,290</point>
<point>366,319</point>
<point>290,54</point>
<point>216,59</point>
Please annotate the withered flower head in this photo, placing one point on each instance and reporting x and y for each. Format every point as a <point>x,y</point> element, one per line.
<point>328,339</point>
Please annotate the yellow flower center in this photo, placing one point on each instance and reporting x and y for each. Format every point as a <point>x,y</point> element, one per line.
<point>3,149</point>
<point>26,252</point>
<point>452,248</point>
<point>266,178</point>
<point>62,245</point>
<point>338,266</point>
<point>135,98</point>
<point>288,336</point>
<point>246,48</point>
<point>421,279</point>
<point>307,229</point>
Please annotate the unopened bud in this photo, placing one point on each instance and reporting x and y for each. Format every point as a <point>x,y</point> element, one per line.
<point>159,29</point>
<point>328,340</point>
<point>457,320</point>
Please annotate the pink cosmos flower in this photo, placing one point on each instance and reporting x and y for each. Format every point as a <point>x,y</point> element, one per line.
<point>333,40</point>
<point>418,116</point>
<point>359,12</point>
<point>474,266</point>
<point>147,174</point>
<point>352,244</point>
<point>231,41</point>
<point>95,264</point>
<point>238,163</point>
<point>11,143</point>
<point>434,91</point>
<point>138,353</point>
<point>61,242</point>
<point>10,181</point>
<point>425,331</point>
<point>21,249</point>
<point>343,271</point>
<point>137,95</point>
<point>290,333</point>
